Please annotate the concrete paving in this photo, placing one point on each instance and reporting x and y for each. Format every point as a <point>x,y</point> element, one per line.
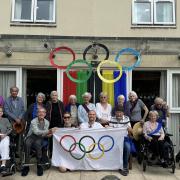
<point>152,173</point>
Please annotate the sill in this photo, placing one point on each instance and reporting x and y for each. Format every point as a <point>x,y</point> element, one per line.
<point>153,26</point>
<point>27,24</point>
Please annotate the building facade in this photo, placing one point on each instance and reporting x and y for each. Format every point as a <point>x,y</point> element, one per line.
<point>31,29</point>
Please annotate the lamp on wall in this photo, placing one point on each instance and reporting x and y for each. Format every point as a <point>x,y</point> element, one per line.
<point>179,56</point>
<point>8,51</point>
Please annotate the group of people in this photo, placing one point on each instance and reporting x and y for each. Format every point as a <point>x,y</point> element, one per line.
<point>42,120</point>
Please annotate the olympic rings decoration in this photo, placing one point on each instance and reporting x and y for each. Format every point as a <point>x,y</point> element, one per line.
<point>71,147</point>
<point>134,52</point>
<point>57,50</point>
<point>79,80</point>
<point>100,143</point>
<point>102,149</point>
<point>72,139</point>
<point>90,147</point>
<point>107,80</point>
<point>81,143</point>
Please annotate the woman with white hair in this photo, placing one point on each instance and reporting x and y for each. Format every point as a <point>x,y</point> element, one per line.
<point>85,108</point>
<point>120,104</point>
<point>72,108</point>
<point>103,109</point>
<point>134,107</point>
<point>32,110</point>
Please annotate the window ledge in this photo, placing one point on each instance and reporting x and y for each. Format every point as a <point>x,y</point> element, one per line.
<point>33,24</point>
<point>153,26</point>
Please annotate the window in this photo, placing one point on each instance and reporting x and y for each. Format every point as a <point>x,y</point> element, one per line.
<point>38,11</point>
<point>153,12</point>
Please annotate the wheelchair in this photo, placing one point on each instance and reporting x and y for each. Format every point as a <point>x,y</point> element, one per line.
<point>146,154</point>
<point>11,164</point>
<point>45,161</point>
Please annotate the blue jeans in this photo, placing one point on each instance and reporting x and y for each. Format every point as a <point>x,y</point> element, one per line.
<point>126,153</point>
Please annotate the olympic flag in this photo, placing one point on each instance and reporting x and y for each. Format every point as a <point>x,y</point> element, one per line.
<point>91,149</point>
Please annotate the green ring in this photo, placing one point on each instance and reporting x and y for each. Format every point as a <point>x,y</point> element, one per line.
<point>78,80</point>
<point>73,148</point>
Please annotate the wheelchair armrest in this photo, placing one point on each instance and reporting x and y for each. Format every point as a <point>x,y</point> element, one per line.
<point>168,134</point>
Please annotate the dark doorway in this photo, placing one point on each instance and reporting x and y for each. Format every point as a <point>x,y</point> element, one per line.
<point>40,80</point>
<point>147,85</point>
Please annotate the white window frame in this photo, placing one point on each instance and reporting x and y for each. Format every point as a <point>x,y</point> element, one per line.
<point>169,90</point>
<point>133,12</point>
<point>33,13</point>
<point>21,20</point>
<point>155,14</point>
<point>18,77</point>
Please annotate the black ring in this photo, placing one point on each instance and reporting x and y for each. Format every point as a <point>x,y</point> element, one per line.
<point>85,149</point>
<point>92,46</point>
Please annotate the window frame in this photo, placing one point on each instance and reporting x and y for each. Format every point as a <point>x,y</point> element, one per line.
<point>170,91</point>
<point>173,15</point>
<point>153,21</point>
<point>33,13</point>
<point>133,12</point>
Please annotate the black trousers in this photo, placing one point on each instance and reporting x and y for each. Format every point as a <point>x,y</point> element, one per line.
<point>35,142</point>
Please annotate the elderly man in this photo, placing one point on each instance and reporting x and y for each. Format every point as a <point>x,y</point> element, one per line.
<point>91,123</point>
<point>39,129</point>
<point>123,121</point>
<point>163,111</point>
<point>85,108</point>
<point>14,110</point>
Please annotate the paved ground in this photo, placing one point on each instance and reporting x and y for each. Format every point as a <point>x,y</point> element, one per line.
<point>152,173</point>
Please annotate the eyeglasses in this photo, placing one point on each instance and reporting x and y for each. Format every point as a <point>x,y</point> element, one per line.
<point>66,117</point>
<point>103,97</point>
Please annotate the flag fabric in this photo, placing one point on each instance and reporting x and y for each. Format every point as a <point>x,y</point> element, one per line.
<point>89,149</point>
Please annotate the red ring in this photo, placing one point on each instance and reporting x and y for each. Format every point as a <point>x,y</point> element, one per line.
<point>59,49</point>
<point>72,149</point>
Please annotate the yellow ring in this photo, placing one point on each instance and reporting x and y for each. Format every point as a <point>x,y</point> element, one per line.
<point>110,62</point>
<point>101,155</point>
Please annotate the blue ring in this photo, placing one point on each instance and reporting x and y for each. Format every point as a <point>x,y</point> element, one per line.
<point>104,137</point>
<point>135,53</point>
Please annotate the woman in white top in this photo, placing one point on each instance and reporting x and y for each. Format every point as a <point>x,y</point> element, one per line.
<point>103,109</point>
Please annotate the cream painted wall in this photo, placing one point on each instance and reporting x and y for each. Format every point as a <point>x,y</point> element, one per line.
<point>104,18</point>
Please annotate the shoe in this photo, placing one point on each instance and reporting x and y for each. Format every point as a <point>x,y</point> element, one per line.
<point>3,170</point>
<point>39,170</point>
<point>25,171</point>
<point>123,172</point>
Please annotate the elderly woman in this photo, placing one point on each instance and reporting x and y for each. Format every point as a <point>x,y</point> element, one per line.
<point>103,109</point>
<point>72,108</point>
<point>163,111</point>
<point>85,108</point>
<point>32,110</point>
<point>154,133</point>
<point>120,104</point>
<point>134,107</point>
<point>5,130</point>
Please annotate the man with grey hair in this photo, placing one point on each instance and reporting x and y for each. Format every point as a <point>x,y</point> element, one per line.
<point>85,108</point>
<point>14,110</point>
<point>163,110</point>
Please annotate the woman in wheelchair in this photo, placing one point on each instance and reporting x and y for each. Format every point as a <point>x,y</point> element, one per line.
<point>5,130</point>
<point>39,129</point>
<point>154,136</point>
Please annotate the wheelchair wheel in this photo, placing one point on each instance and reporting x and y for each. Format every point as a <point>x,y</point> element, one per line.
<point>93,50</point>
<point>144,165</point>
<point>173,167</point>
<point>13,169</point>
